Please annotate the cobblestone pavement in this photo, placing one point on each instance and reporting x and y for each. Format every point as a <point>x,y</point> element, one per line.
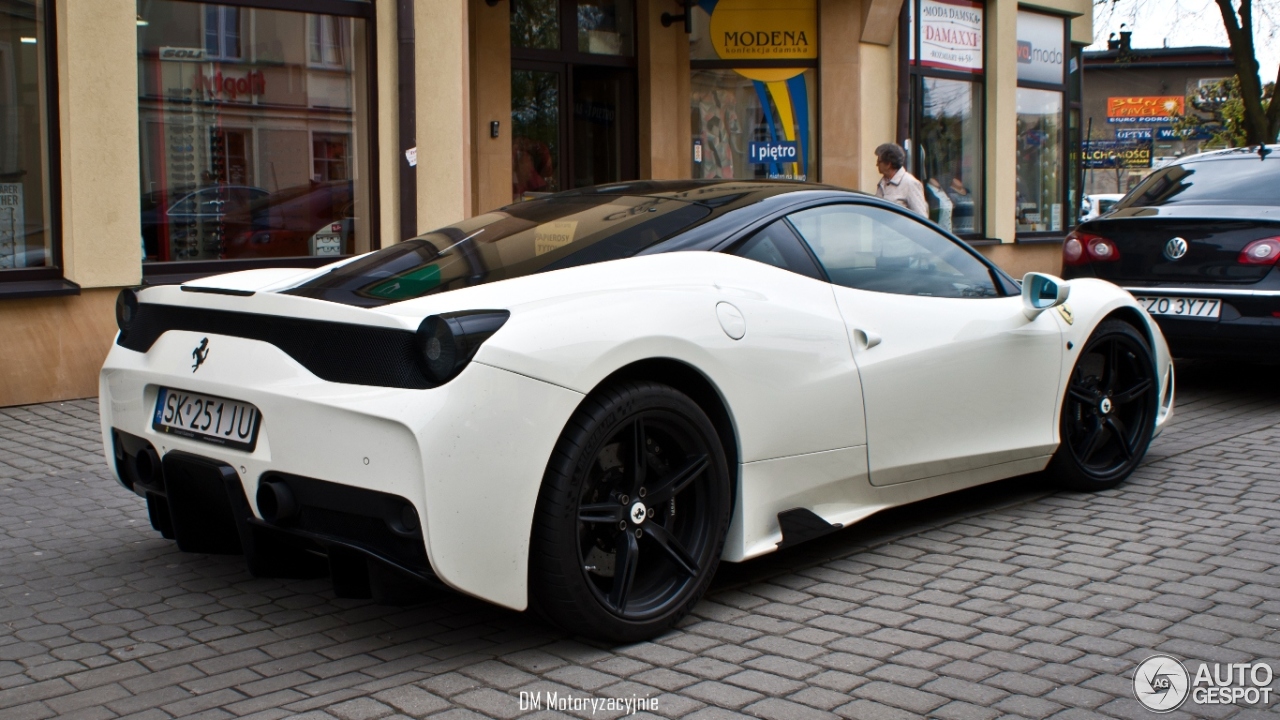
<point>1003,601</point>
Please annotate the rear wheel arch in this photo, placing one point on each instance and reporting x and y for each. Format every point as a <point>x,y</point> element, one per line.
<point>693,383</point>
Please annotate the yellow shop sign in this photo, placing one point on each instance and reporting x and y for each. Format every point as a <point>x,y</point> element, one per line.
<point>765,29</point>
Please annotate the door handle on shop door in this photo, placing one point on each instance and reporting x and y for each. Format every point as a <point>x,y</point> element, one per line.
<point>866,338</point>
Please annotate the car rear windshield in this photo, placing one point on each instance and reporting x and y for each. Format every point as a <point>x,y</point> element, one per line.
<point>1234,181</point>
<point>523,239</point>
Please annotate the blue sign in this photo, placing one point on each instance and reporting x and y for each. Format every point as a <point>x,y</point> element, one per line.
<point>1168,133</point>
<point>770,152</point>
<point>1140,134</point>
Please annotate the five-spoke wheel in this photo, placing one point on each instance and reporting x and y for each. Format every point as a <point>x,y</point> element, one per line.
<point>632,514</point>
<point>1109,412</point>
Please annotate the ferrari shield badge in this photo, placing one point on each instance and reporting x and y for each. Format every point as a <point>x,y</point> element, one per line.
<point>1066,314</point>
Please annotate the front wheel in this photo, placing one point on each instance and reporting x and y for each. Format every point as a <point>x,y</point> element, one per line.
<point>1108,414</point>
<point>632,515</point>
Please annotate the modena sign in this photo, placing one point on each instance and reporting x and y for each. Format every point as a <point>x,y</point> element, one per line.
<point>765,29</point>
<point>1144,110</point>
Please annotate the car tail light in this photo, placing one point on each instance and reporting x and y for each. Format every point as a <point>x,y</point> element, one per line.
<point>1260,252</point>
<point>126,308</point>
<point>1082,247</point>
<point>446,343</point>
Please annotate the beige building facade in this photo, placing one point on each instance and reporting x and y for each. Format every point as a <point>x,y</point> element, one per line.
<point>155,141</point>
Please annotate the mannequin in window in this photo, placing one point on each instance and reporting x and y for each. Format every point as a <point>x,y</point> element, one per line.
<point>940,205</point>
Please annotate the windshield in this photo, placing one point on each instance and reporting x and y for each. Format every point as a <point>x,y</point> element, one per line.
<point>523,239</point>
<point>1242,181</point>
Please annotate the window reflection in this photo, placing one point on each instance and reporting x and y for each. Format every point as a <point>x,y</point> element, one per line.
<point>1040,170</point>
<point>951,152</point>
<point>535,24</point>
<point>605,27</point>
<point>25,240</point>
<point>256,119</point>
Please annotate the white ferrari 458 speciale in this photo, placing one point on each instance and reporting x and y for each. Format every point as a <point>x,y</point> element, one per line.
<point>581,404</point>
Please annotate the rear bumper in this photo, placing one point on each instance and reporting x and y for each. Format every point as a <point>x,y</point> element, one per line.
<point>1246,328</point>
<point>465,460</point>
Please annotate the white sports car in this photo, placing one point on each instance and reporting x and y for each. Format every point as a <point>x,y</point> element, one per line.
<point>583,403</point>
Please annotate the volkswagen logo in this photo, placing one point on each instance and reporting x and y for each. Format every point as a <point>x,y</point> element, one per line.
<point>1175,249</point>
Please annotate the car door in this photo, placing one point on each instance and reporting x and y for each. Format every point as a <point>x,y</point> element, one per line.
<point>954,376</point>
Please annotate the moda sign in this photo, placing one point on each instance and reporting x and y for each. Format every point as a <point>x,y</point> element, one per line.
<point>1042,43</point>
<point>951,35</point>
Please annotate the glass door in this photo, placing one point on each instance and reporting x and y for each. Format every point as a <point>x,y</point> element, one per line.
<point>536,130</point>
<point>573,94</point>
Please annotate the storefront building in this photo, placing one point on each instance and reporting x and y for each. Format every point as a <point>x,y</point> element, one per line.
<point>155,141</point>
<point>1132,99</point>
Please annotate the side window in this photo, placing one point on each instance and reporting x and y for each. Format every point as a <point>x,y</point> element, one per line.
<point>870,248</point>
<point>778,246</point>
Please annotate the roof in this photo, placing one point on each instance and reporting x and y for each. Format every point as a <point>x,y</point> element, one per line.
<point>1210,55</point>
<point>700,191</point>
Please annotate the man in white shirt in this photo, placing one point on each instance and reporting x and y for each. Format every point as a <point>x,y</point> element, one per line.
<point>897,185</point>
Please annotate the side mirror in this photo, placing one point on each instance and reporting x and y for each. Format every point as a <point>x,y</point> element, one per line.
<point>1041,292</point>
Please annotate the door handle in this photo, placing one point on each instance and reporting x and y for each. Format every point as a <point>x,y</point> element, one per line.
<point>867,338</point>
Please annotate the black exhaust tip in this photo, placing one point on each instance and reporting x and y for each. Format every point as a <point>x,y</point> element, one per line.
<point>276,501</point>
<point>146,467</point>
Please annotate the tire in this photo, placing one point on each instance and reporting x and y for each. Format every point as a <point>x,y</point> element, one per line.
<point>1109,411</point>
<point>586,538</point>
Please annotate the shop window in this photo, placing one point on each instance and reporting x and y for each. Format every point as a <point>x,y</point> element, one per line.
<point>946,139</point>
<point>264,157</point>
<point>950,152</point>
<point>1045,179</point>
<point>26,135</point>
<point>1040,169</point>
<point>753,89</point>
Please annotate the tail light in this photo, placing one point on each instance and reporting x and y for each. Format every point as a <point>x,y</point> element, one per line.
<point>448,342</point>
<point>1082,247</point>
<point>1260,252</point>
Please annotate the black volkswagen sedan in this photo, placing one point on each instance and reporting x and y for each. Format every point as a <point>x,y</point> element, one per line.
<point>1197,244</point>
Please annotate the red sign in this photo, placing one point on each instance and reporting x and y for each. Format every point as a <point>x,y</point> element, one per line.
<point>254,83</point>
<point>1162,106</point>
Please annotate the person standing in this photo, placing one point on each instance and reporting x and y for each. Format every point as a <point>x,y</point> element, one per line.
<point>896,184</point>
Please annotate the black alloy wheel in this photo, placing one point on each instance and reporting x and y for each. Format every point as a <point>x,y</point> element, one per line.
<point>632,515</point>
<point>1109,411</point>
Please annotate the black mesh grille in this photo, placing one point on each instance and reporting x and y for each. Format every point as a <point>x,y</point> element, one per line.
<point>336,352</point>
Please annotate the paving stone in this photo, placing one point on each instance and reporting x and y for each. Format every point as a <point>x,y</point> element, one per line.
<point>998,601</point>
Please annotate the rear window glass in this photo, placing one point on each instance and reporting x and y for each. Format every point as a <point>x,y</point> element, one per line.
<point>1243,181</point>
<point>522,239</point>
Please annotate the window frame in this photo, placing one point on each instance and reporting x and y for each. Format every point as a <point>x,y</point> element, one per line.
<point>18,283</point>
<point>916,72</point>
<point>180,271</point>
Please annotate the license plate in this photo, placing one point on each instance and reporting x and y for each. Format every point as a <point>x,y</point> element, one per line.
<point>230,423</point>
<point>1182,306</point>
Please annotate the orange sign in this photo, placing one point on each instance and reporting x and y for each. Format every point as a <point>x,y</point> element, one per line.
<point>1153,108</point>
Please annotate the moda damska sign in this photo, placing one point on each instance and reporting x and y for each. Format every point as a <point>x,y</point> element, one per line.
<point>1041,47</point>
<point>951,34</point>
